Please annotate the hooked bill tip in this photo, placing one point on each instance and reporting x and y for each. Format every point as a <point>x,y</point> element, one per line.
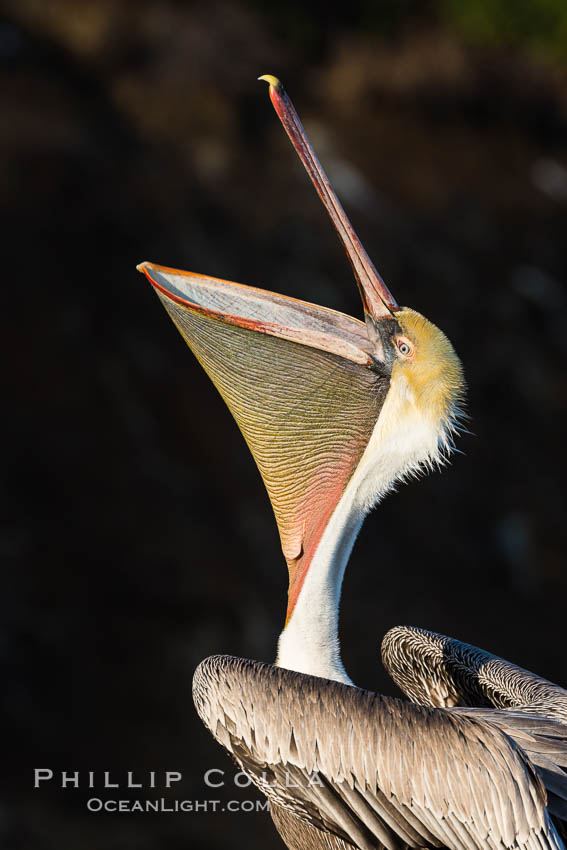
<point>141,267</point>
<point>272,81</point>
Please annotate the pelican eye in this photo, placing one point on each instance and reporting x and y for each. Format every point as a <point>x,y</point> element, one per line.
<point>404,346</point>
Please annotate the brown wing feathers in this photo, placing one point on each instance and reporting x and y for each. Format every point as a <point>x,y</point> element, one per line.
<point>422,777</point>
<point>432,669</point>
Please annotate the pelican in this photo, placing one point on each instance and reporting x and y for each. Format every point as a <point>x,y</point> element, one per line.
<point>335,412</point>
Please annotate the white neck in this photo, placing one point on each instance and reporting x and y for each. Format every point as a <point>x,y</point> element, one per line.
<point>402,441</point>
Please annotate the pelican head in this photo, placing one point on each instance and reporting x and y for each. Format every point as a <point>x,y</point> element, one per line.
<point>427,376</point>
<point>334,410</point>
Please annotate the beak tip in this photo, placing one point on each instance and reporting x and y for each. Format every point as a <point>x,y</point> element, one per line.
<point>272,81</point>
<point>141,267</point>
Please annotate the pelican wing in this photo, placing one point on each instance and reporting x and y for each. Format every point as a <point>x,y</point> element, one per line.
<point>300,835</point>
<point>543,740</point>
<point>299,380</point>
<point>436,670</point>
<point>373,770</point>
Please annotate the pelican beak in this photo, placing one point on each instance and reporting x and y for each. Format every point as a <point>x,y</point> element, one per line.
<point>305,384</point>
<point>377,300</point>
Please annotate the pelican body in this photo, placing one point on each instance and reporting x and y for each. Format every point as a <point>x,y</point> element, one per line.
<point>336,411</point>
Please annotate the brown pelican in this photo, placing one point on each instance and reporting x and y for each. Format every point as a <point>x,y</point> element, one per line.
<point>335,412</point>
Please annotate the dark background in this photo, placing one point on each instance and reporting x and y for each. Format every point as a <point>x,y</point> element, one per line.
<point>137,537</point>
